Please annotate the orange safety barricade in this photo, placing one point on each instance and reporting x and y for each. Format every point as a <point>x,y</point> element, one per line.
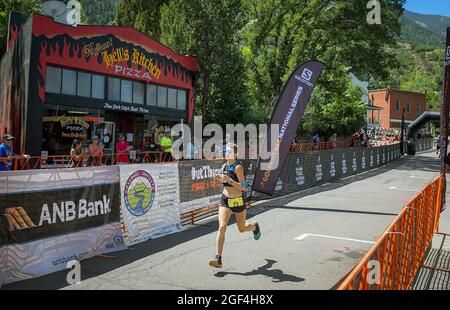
<point>393,262</point>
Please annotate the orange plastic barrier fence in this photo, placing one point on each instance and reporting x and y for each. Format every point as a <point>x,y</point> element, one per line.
<point>396,257</point>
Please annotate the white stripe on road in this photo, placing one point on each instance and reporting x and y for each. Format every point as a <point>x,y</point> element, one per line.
<point>304,236</point>
<point>402,189</point>
<point>424,178</point>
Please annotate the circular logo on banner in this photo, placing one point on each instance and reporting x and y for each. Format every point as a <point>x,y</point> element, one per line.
<point>139,193</point>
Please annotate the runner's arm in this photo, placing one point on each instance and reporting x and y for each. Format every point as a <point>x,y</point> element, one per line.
<point>241,184</point>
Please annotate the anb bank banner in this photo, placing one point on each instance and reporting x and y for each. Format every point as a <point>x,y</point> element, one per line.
<point>52,217</point>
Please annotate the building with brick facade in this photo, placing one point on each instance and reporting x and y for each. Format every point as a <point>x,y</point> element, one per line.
<point>393,101</point>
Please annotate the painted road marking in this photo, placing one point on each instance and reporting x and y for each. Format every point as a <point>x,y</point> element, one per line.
<point>304,236</point>
<point>424,178</point>
<point>402,189</point>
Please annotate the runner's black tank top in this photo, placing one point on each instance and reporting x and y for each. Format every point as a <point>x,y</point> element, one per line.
<point>230,171</point>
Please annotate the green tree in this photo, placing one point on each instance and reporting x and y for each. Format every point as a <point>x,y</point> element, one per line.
<point>420,69</point>
<point>98,12</point>
<point>26,7</point>
<point>247,48</point>
<point>143,15</point>
<point>209,30</point>
<point>280,34</point>
<point>344,115</point>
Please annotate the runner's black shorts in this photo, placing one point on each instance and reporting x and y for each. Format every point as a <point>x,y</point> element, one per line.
<point>224,203</point>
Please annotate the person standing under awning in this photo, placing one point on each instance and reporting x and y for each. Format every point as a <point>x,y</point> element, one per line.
<point>166,145</point>
<point>6,153</point>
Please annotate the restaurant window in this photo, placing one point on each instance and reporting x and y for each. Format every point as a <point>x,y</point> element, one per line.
<point>69,82</point>
<point>162,97</point>
<point>53,80</point>
<point>114,89</point>
<point>408,107</point>
<point>98,86</point>
<point>182,99</point>
<point>138,92</point>
<point>418,107</point>
<point>84,84</point>
<point>126,91</point>
<point>172,98</point>
<point>151,94</point>
<point>397,106</point>
<point>61,125</point>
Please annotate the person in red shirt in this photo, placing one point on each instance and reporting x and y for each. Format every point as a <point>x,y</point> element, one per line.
<point>122,149</point>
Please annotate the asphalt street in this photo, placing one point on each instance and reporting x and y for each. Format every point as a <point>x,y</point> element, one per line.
<point>310,239</point>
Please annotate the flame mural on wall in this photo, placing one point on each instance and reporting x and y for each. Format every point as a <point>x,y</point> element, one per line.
<point>15,25</point>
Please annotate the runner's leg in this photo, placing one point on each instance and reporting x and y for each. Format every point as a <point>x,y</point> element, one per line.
<point>242,224</point>
<point>224,218</point>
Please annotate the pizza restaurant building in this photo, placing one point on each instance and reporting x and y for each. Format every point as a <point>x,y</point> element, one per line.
<point>60,82</point>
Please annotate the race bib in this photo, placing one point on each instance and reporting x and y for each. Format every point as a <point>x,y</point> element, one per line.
<point>235,202</point>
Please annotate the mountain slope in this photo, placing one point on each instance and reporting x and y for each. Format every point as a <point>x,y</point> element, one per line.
<point>421,29</point>
<point>415,34</point>
<point>435,23</point>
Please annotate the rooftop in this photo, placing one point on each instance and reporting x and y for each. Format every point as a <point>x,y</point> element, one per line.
<point>395,90</point>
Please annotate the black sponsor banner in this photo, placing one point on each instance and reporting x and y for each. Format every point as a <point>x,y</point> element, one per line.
<point>306,170</point>
<point>301,171</point>
<point>445,105</point>
<point>198,186</point>
<point>35,215</point>
<point>197,179</point>
<point>402,134</point>
<point>287,115</point>
<point>445,109</point>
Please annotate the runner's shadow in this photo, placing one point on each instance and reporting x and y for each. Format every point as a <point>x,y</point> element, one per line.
<point>278,275</point>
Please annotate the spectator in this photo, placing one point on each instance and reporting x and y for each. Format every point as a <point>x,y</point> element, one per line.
<point>353,141</point>
<point>166,144</point>
<point>438,146</point>
<point>333,141</point>
<point>122,149</point>
<point>76,154</point>
<point>315,140</point>
<point>151,146</point>
<point>361,138</point>
<point>7,154</point>
<point>95,152</point>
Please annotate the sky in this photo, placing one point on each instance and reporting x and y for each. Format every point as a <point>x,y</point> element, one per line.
<point>436,7</point>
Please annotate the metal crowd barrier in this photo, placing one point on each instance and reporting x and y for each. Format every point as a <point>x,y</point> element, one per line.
<point>394,260</point>
<point>313,147</point>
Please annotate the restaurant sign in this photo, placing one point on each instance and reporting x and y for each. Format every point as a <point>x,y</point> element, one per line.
<point>125,108</point>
